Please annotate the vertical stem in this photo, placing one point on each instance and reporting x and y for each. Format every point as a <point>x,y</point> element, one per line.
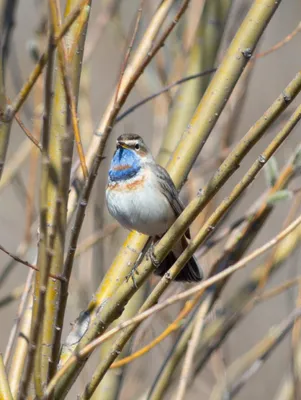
<point>7,10</point>
<point>5,392</point>
<point>43,256</point>
<point>21,349</point>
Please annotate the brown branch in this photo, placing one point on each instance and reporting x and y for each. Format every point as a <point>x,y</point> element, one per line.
<point>28,264</point>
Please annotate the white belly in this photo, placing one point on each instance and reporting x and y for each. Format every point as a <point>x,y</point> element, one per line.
<point>144,210</point>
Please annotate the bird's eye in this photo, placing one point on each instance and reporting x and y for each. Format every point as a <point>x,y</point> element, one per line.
<point>137,146</point>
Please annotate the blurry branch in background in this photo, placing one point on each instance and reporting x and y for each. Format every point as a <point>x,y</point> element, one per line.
<point>5,391</point>
<point>242,302</point>
<point>242,369</point>
<point>7,13</point>
<point>26,293</point>
<point>282,42</point>
<point>165,89</point>
<point>295,343</point>
<point>43,257</point>
<point>192,345</point>
<point>28,264</point>
<point>27,132</point>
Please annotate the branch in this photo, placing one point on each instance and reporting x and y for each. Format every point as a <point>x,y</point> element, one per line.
<point>5,392</point>
<point>165,89</point>
<point>28,264</point>
<point>247,365</point>
<point>41,282</point>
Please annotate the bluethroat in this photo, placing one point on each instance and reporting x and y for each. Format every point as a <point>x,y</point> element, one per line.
<point>141,196</point>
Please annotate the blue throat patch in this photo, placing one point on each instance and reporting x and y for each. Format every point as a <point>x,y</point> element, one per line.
<point>125,164</point>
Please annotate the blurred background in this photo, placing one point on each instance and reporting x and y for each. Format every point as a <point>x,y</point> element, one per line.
<point>108,34</point>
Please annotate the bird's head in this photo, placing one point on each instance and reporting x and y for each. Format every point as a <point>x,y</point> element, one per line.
<point>132,142</point>
<point>130,155</point>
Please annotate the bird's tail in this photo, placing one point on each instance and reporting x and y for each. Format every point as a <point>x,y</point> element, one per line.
<point>190,273</point>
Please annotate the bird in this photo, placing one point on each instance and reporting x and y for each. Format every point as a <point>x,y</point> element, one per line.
<point>141,196</point>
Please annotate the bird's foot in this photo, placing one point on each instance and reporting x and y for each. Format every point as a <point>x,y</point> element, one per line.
<point>150,254</point>
<point>134,271</point>
<point>132,276</point>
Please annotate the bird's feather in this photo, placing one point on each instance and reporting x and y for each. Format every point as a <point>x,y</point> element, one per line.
<point>191,272</point>
<point>170,192</point>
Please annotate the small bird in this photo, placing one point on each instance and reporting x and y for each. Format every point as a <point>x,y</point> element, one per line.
<point>141,196</point>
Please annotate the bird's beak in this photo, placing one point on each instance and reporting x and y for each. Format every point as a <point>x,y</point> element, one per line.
<point>122,144</point>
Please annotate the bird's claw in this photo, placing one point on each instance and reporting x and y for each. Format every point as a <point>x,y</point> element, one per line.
<point>134,271</point>
<point>152,256</point>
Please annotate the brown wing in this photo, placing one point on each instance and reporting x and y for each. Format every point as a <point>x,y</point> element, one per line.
<point>170,192</point>
<point>191,272</point>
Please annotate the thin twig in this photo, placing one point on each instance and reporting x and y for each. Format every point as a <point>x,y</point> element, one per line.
<point>18,360</point>
<point>161,91</point>
<point>295,343</point>
<point>7,15</point>
<point>197,330</point>
<point>275,291</point>
<point>28,264</point>
<point>282,42</point>
<point>27,132</point>
<point>30,203</point>
<point>175,325</point>
<point>23,304</point>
